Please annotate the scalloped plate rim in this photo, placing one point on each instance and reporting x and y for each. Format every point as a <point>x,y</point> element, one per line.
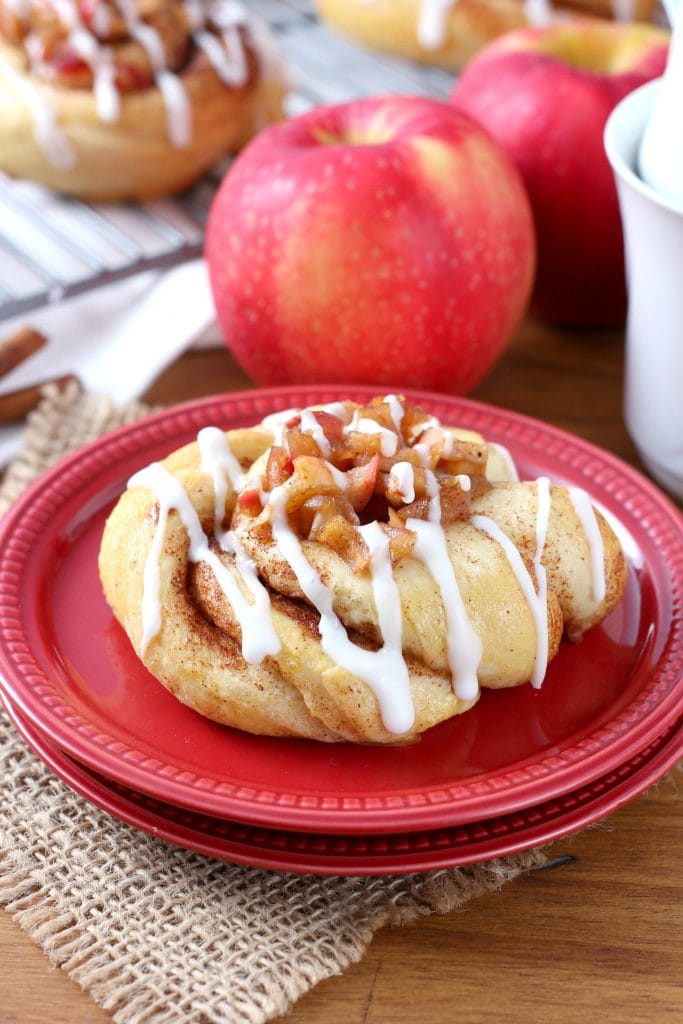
<point>304,853</point>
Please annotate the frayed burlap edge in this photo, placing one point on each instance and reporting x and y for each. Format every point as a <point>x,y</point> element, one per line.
<point>66,419</point>
<point>156,934</point>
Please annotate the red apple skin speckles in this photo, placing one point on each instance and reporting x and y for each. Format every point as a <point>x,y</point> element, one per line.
<point>549,115</point>
<point>386,241</point>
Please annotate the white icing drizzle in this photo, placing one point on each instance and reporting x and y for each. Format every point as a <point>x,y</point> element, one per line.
<point>388,439</point>
<point>276,422</point>
<point>227,58</point>
<point>465,482</point>
<point>338,409</point>
<point>424,453</point>
<point>396,411</point>
<point>512,474</point>
<point>402,477</point>
<point>48,135</point>
<point>432,25</point>
<point>463,644</point>
<point>259,638</point>
<point>176,99</point>
<point>583,507</point>
<point>97,57</point>
<point>226,13</point>
<point>537,607</point>
<point>178,109</point>
<point>537,599</point>
<point>396,702</point>
<point>448,443</point>
<point>628,542</point>
<point>218,460</point>
<point>429,421</point>
<point>310,425</point>
<point>226,54</point>
<point>148,37</point>
<point>434,495</point>
<point>384,671</point>
<point>538,12</point>
<point>101,19</point>
<point>340,479</point>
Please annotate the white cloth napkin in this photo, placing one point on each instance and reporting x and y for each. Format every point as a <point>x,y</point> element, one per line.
<point>116,339</point>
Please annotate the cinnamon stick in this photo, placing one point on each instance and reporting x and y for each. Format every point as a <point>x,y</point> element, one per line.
<point>18,347</point>
<point>16,404</point>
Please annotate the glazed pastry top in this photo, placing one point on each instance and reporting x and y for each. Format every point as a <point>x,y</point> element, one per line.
<point>117,46</point>
<point>113,48</point>
<point>434,15</point>
<point>389,493</point>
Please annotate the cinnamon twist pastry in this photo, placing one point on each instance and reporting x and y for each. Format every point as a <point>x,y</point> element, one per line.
<point>449,32</point>
<point>351,573</point>
<point>130,99</point>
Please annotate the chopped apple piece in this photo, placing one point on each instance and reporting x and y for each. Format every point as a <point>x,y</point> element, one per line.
<point>342,536</point>
<point>455,501</point>
<point>250,501</point>
<point>360,444</point>
<point>279,468</point>
<point>361,483</point>
<point>332,426</point>
<point>298,443</point>
<point>392,491</point>
<point>310,478</point>
<point>465,457</point>
<point>401,539</point>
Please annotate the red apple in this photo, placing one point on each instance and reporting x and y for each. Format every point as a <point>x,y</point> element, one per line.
<point>544,95</point>
<point>387,241</point>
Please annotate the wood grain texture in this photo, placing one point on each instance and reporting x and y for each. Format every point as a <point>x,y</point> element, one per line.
<point>600,938</point>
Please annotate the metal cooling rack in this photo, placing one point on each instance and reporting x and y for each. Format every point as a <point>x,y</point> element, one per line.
<point>53,248</point>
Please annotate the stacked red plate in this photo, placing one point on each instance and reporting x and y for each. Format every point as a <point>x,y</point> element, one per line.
<point>521,768</point>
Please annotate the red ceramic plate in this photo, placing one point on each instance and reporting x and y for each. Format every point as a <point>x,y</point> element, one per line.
<point>308,853</point>
<point>70,669</point>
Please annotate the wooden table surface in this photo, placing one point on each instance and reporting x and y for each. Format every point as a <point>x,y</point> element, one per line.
<point>598,939</point>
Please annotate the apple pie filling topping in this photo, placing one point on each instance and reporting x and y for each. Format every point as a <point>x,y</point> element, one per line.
<point>116,47</point>
<point>344,468</point>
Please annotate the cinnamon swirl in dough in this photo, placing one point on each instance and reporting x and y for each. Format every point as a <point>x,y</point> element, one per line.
<point>449,32</point>
<point>351,573</point>
<point>129,99</point>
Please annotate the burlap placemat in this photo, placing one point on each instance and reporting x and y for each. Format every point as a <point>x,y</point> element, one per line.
<point>154,933</point>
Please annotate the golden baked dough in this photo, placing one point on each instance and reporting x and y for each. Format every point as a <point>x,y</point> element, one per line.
<point>116,107</point>
<point>449,34</point>
<point>351,574</point>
